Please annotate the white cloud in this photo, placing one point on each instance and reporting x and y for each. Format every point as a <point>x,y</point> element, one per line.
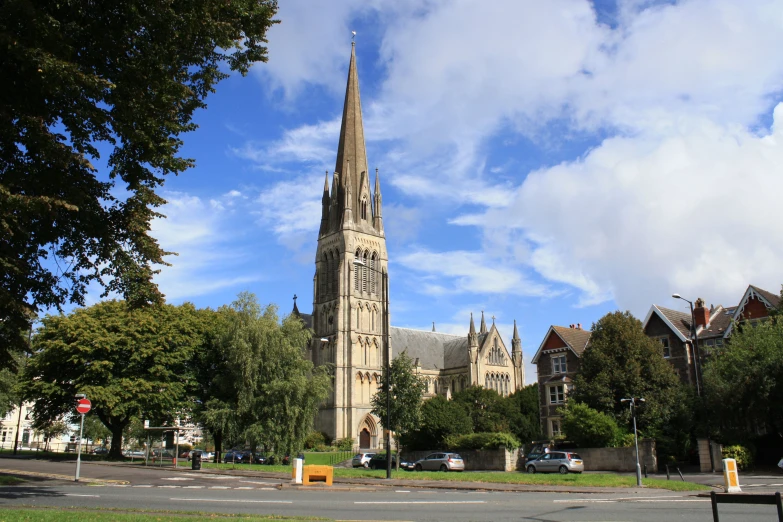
<point>467,272</point>
<point>198,231</point>
<point>639,218</point>
<point>306,144</point>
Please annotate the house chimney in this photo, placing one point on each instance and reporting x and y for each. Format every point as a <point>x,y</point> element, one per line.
<point>701,313</point>
<point>571,326</point>
<point>578,326</point>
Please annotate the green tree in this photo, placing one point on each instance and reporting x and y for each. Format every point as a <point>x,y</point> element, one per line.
<point>589,428</point>
<point>520,409</point>
<point>82,80</point>
<point>404,399</point>
<point>129,362</point>
<point>440,418</point>
<point>485,408</point>
<point>270,393</point>
<point>743,381</point>
<point>94,429</point>
<point>620,362</point>
<point>49,430</point>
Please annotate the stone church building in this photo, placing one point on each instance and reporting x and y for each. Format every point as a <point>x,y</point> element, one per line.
<point>350,303</point>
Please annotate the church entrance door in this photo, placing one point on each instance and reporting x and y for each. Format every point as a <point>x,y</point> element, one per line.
<point>364,439</point>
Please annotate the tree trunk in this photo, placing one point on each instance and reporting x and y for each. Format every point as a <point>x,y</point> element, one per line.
<point>218,436</point>
<point>115,452</point>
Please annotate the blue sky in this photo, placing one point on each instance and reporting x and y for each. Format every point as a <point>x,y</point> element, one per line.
<point>547,162</point>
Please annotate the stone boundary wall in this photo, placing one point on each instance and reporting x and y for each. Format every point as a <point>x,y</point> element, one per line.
<point>477,460</point>
<point>619,459</point>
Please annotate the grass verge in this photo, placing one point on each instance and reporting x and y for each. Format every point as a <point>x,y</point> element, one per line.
<point>59,514</point>
<point>8,480</point>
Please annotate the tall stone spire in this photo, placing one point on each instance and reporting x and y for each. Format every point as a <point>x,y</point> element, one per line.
<point>351,147</point>
<point>483,328</point>
<point>516,358</point>
<point>377,212</point>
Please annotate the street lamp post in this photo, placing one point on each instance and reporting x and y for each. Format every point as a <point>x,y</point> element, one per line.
<point>386,357</point>
<point>699,376</point>
<point>633,401</point>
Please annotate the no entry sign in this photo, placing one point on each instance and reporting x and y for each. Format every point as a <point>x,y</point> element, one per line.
<point>83,406</point>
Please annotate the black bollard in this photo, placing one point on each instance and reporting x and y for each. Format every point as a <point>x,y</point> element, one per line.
<point>667,473</point>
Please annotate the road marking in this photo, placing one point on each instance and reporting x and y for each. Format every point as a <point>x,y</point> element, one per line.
<point>236,501</point>
<point>629,499</point>
<point>193,487</point>
<point>143,486</point>
<point>256,482</point>
<point>402,491</point>
<point>244,487</point>
<point>177,478</point>
<point>219,487</point>
<point>424,502</point>
<point>170,486</point>
<point>78,495</point>
<point>268,489</point>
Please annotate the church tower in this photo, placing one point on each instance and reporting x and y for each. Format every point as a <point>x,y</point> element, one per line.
<point>350,288</point>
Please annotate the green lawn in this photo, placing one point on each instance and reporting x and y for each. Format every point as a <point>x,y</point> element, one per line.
<point>79,515</point>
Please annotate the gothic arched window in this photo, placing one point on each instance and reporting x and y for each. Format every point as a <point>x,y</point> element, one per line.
<point>373,273</point>
<point>364,272</point>
<point>357,271</point>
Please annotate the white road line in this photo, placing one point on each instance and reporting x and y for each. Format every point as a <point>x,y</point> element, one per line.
<point>236,501</point>
<point>219,487</point>
<point>268,489</point>
<point>177,478</point>
<point>244,487</point>
<point>143,486</point>
<point>402,491</point>
<point>256,482</point>
<point>169,486</point>
<point>78,495</point>
<point>193,487</point>
<point>424,502</point>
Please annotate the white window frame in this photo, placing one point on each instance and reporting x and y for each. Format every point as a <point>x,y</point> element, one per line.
<point>558,392</point>
<point>559,364</point>
<point>666,346</point>
<point>556,427</point>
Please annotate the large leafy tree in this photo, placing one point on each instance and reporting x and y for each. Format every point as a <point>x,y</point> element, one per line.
<point>92,83</point>
<point>520,409</point>
<point>129,362</point>
<point>440,418</point>
<point>485,407</point>
<point>743,381</point>
<point>266,392</point>
<point>589,428</point>
<point>402,396</point>
<point>622,362</point>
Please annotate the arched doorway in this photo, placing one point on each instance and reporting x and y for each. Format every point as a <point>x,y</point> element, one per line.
<point>364,439</point>
<point>368,433</point>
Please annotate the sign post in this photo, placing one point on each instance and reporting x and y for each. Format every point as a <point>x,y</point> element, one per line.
<point>82,407</point>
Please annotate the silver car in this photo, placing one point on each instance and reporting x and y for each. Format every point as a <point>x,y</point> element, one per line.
<point>440,462</point>
<point>362,460</point>
<point>561,461</point>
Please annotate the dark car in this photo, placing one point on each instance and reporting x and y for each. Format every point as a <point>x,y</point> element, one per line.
<point>378,461</point>
<point>237,457</point>
<point>100,451</point>
<point>259,458</point>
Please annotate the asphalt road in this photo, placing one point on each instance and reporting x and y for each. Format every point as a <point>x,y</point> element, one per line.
<point>162,489</point>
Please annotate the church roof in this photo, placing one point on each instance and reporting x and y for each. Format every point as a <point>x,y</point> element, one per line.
<point>435,350</point>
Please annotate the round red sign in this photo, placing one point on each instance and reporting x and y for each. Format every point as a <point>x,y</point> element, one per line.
<point>83,406</point>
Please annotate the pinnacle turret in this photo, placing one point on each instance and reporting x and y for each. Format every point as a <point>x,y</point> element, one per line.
<point>483,329</point>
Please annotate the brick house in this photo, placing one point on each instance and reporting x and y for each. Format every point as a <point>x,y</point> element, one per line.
<point>557,360</point>
<point>672,328</point>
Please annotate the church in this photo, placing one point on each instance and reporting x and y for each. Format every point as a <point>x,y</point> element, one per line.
<point>350,318</point>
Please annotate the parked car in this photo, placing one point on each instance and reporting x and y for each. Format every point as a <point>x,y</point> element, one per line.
<point>560,461</point>
<point>378,461</point>
<point>185,454</point>
<point>440,462</point>
<point>259,458</point>
<point>238,456</point>
<point>100,451</point>
<point>134,453</point>
<point>362,460</point>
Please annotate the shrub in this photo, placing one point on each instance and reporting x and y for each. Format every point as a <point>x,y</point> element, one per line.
<point>315,439</point>
<point>185,447</point>
<point>589,428</point>
<point>741,454</point>
<point>481,441</point>
<point>345,444</point>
